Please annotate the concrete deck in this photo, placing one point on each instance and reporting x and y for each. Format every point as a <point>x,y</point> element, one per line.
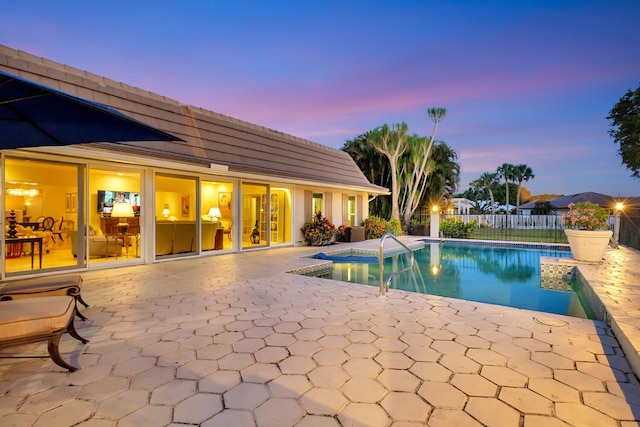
<point>234,340</point>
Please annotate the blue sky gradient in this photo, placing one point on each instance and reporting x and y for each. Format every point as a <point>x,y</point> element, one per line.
<point>523,81</point>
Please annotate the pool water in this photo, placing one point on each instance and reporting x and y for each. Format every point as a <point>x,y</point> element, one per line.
<point>507,276</point>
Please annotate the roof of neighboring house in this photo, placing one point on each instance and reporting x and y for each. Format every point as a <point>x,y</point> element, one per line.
<point>210,137</point>
<point>562,202</point>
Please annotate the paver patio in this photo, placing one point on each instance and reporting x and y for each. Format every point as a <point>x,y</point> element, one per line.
<point>234,340</point>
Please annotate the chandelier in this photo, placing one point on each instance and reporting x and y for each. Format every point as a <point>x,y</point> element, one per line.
<point>25,192</point>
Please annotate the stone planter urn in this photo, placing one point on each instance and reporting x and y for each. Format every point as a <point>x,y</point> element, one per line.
<point>587,245</point>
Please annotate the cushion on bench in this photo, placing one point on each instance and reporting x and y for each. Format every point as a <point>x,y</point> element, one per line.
<point>34,316</point>
<point>25,288</point>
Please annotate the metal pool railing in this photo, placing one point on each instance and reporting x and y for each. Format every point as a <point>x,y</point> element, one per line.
<point>384,285</point>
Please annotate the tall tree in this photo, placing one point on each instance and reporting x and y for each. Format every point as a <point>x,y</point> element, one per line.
<point>625,129</point>
<point>505,171</point>
<point>521,173</point>
<point>416,169</point>
<point>391,143</point>
<point>489,181</point>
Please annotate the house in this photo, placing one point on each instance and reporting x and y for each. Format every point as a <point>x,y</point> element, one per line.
<point>193,198</point>
<point>561,203</point>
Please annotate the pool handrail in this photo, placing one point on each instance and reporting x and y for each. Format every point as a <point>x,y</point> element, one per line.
<point>384,285</point>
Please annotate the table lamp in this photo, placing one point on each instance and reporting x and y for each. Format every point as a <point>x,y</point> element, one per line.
<point>215,214</point>
<point>166,212</point>
<point>122,210</point>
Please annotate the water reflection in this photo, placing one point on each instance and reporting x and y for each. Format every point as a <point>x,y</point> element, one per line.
<point>498,275</point>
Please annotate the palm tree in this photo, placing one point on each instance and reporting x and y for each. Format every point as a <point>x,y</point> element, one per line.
<point>506,171</point>
<point>521,173</point>
<point>391,143</point>
<point>489,180</point>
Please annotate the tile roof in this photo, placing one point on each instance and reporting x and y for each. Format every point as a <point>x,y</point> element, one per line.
<point>211,137</point>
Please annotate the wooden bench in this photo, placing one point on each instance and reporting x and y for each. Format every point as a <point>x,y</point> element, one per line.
<point>30,320</point>
<point>45,286</point>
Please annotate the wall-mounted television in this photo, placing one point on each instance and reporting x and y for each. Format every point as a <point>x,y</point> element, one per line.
<point>106,199</point>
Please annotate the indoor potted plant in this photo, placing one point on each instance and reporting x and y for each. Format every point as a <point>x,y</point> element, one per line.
<point>586,229</point>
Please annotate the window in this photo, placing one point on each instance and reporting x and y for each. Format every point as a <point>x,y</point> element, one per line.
<point>317,203</point>
<point>351,211</point>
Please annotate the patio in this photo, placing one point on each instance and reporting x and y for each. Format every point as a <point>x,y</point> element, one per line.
<point>234,340</point>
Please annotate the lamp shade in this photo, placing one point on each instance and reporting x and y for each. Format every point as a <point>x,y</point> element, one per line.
<point>122,210</point>
<point>215,213</point>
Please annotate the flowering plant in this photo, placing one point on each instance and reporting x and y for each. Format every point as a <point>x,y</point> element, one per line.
<point>586,216</point>
<point>319,231</point>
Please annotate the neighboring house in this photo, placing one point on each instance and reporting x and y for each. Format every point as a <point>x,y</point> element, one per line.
<point>458,206</point>
<point>193,198</point>
<point>560,204</point>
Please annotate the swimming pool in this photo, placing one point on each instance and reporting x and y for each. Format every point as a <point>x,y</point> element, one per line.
<point>498,275</point>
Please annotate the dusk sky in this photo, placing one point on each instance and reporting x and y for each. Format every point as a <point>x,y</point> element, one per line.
<point>522,81</point>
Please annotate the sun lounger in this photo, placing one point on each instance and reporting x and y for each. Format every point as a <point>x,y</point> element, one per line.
<point>30,320</point>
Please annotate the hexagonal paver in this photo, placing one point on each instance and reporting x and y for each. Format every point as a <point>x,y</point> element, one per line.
<point>236,361</point>
<point>391,360</point>
<point>317,421</point>
<point>503,376</point>
<point>323,401</point>
<point>260,373</point>
<point>231,417</point>
<point>448,347</point>
<point>460,364</point>
<point>430,371</point>
<point>287,327</point>
<point>552,360</point>
<point>308,334</point>
<point>529,368</point>
<point>361,337</point>
<point>248,345</point>
<point>581,415</point>
<point>173,392</point>
<point>399,380</point>
<point>472,341</point>
<point>364,415</point>
<point>334,341</point>
<point>363,390</point>
<point>197,408</point>
<point>422,354</point>
<point>362,368</point>
<point>526,401</point>
<point>448,417</point>
<point>214,351</point>
<point>271,354</point>
<point>579,380</point>
<point>486,357</point>
<point>492,412</point>
<point>149,415</point>
<point>442,395</point>
<point>219,381</point>
<point>296,365</point>
<point>304,348</point>
<point>328,376</point>
<point>278,412</point>
<point>418,340</point>
<point>245,396</point>
<point>406,406</point>
<point>121,404</point>
<point>153,378</point>
<point>613,406</point>
<point>196,369</point>
<point>289,386</point>
<point>390,344</point>
<point>361,350</point>
<point>554,390</point>
<point>330,357</point>
<point>280,340</point>
<point>474,385</point>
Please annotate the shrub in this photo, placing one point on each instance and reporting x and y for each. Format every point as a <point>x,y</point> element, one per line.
<point>374,227</point>
<point>394,227</point>
<point>586,216</point>
<point>319,231</point>
<point>455,228</point>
